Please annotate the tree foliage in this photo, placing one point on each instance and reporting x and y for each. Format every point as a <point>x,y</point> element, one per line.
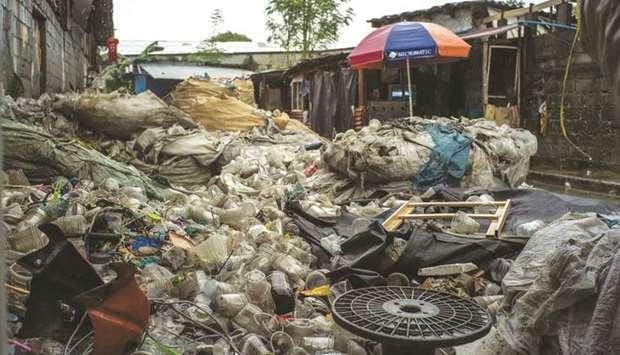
<point>306,25</point>
<point>229,36</point>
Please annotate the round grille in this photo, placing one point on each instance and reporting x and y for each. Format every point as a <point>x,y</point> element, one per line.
<point>407,316</point>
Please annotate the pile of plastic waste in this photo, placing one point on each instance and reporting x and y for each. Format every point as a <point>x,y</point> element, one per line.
<point>465,153</point>
<point>217,229</point>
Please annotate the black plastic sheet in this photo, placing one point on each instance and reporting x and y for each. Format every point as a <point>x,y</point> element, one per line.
<point>333,94</point>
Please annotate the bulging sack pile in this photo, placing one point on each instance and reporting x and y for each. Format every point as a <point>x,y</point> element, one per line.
<point>218,107</point>
<point>121,116</point>
<point>463,153</point>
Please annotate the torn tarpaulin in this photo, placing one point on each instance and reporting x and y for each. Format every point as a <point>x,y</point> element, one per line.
<point>560,289</point>
<point>448,160</point>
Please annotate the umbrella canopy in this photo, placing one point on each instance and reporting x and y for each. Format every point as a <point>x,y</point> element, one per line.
<point>416,41</point>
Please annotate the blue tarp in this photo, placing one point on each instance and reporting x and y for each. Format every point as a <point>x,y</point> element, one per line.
<point>447,162</point>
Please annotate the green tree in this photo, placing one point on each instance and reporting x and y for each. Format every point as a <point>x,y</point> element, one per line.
<point>229,36</point>
<point>306,25</point>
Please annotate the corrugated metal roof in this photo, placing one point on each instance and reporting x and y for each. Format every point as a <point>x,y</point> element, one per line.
<point>135,47</point>
<point>182,71</point>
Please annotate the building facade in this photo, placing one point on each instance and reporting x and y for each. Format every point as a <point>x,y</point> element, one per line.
<point>50,45</point>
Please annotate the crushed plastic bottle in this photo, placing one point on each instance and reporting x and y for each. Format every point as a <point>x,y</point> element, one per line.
<point>463,224</point>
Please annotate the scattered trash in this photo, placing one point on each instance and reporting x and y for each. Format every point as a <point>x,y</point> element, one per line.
<point>132,228</point>
<point>446,270</point>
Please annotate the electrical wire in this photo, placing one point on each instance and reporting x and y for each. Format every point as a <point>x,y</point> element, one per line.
<point>225,335</point>
<point>566,74</point>
<point>74,333</point>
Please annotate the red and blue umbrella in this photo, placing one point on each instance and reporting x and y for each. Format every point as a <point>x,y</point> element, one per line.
<point>415,41</point>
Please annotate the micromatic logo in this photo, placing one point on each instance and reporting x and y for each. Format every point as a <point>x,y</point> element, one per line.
<point>414,53</point>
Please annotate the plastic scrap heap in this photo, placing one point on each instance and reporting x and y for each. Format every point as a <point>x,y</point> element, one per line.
<point>132,229</point>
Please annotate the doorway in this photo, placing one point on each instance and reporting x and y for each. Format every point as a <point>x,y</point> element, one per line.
<point>40,49</point>
<point>504,76</point>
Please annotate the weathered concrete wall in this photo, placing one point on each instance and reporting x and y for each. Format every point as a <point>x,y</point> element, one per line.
<point>591,118</point>
<point>68,50</point>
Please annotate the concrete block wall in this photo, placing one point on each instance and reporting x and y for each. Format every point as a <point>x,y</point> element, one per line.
<point>592,120</point>
<point>68,50</point>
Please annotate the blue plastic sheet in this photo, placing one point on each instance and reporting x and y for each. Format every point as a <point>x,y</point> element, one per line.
<point>447,162</point>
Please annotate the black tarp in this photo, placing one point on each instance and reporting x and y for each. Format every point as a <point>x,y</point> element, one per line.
<point>430,248</point>
<point>528,205</point>
<point>333,94</point>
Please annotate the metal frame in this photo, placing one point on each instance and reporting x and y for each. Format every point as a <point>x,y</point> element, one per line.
<point>498,219</point>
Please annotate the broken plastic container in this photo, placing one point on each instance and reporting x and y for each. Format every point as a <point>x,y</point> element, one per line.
<point>315,279</point>
<point>28,240</point>
<point>463,224</point>
<point>263,259</point>
<point>212,251</point>
<point>238,216</point>
<point>298,329</point>
<point>33,217</point>
<point>213,288</point>
<point>251,344</point>
<point>258,290</point>
<point>230,304</point>
<point>318,343</point>
<point>72,226</point>
<point>447,269</point>
<point>291,266</point>
<point>332,244</point>
<point>528,229</point>
<point>246,318</point>
<point>282,342</point>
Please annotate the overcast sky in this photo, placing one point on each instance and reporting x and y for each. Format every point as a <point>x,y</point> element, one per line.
<point>189,19</point>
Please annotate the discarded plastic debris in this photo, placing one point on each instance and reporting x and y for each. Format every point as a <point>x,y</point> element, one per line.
<point>529,228</point>
<point>282,294</point>
<point>446,270</point>
<point>463,224</point>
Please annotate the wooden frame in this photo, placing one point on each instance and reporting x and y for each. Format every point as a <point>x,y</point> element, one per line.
<point>498,219</point>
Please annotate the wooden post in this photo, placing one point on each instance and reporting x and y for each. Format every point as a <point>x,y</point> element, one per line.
<point>361,97</point>
<point>409,84</point>
<point>485,73</point>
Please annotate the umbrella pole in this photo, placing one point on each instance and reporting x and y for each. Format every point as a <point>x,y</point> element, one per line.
<point>409,84</point>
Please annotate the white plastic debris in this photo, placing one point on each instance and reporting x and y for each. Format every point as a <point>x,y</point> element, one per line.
<point>528,229</point>
<point>463,224</point>
<point>447,270</point>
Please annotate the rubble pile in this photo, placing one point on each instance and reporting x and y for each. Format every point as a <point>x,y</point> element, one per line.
<point>174,239</point>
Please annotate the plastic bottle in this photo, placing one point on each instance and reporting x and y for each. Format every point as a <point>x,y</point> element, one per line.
<point>212,251</point>
<point>281,292</point>
<point>298,329</point>
<point>28,240</point>
<point>316,279</point>
<point>72,226</point>
<point>230,304</point>
<point>213,288</point>
<point>257,288</point>
<point>33,217</point>
<point>263,259</point>
<point>318,343</point>
<point>282,342</point>
<point>291,266</point>
<point>246,318</point>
